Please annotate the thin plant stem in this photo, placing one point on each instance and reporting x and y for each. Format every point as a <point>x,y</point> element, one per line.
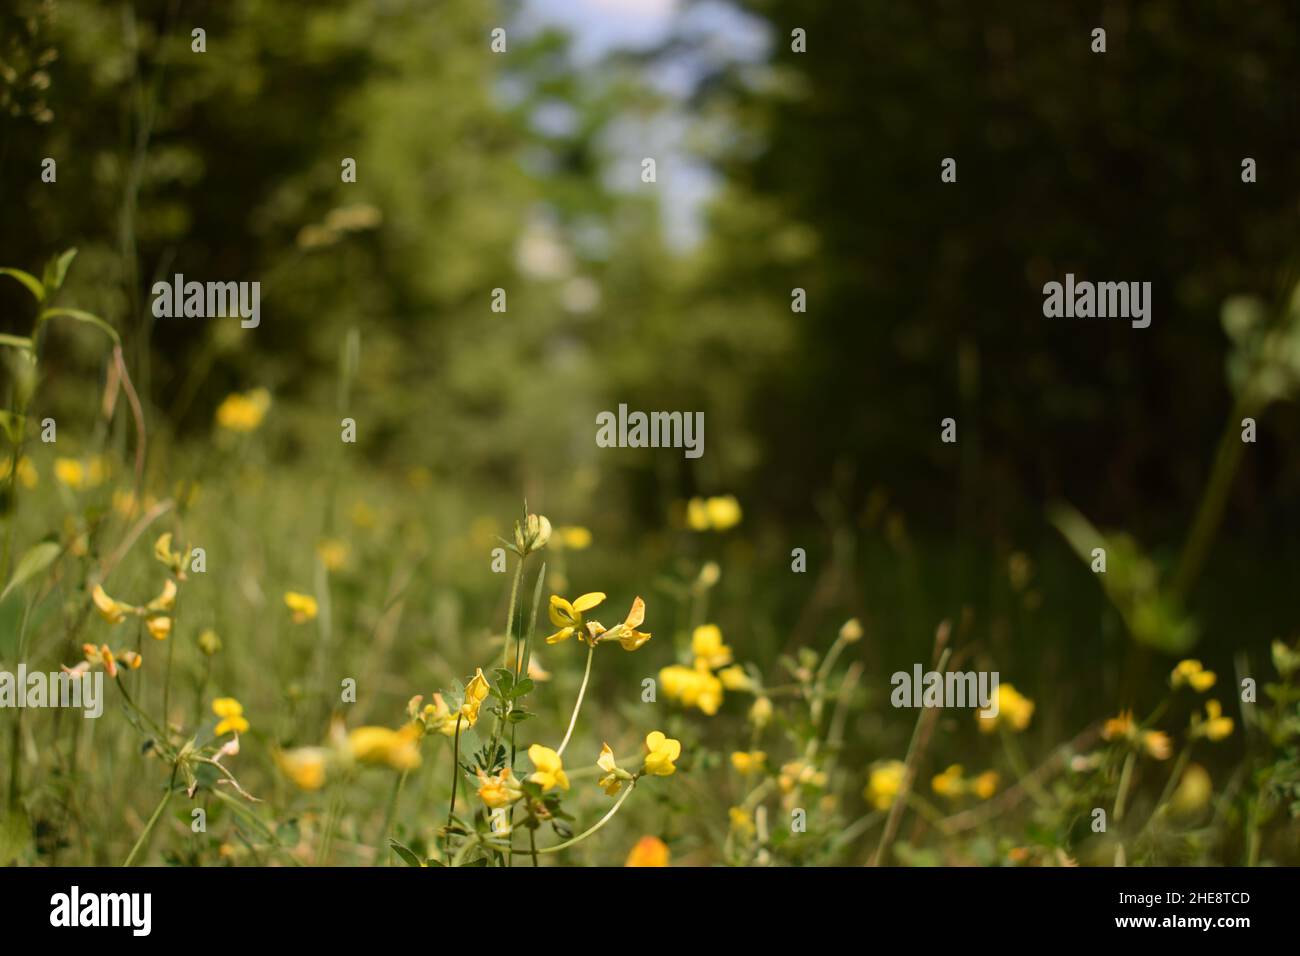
<point>153,821</point>
<point>577,706</point>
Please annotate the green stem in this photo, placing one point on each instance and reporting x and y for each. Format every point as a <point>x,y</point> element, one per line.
<point>153,821</point>
<point>455,774</point>
<point>577,706</point>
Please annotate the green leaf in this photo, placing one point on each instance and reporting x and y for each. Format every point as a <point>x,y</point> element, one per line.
<point>406,853</point>
<point>518,716</point>
<point>522,688</point>
<point>57,269</point>
<point>32,563</point>
<point>80,315</point>
<point>30,281</point>
<point>13,425</point>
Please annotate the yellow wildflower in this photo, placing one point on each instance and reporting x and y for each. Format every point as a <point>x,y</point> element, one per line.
<point>797,773</point>
<point>883,784</point>
<point>166,600</point>
<point>302,607</point>
<point>1014,710</point>
<point>949,783</point>
<point>501,790</point>
<point>707,646</point>
<point>760,715</point>
<point>742,821</point>
<point>1157,744</point>
<point>985,785</point>
<point>231,713</point>
<point>748,762</point>
<point>568,617</point>
<point>724,512</point>
<point>439,718</point>
<point>694,687</point>
<point>114,612</point>
<point>626,633</point>
<point>244,412</point>
<point>1215,726</point>
<point>1191,673</point>
<point>550,769</point>
<point>381,746</point>
<point>663,750</point>
<point>476,692</point>
<point>735,678</point>
<point>69,472</point>
<point>159,627</point>
<point>162,551</point>
<point>649,851</point>
<point>209,642</point>
<point>1119,727</point>
<point>333,553</point>
<point>305,766</point>
<point>574,537</point>
<point>611,781</point>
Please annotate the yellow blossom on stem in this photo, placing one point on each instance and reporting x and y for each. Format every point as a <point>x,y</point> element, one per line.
<point>883,784</point>
<point>662,750</point>
<point>550,769</point>
<point>114,612</point>
<point>707,646</point>
<point>613,776</point>
<point>694,687</point>
<point>476,692</point>
<point>986,784</point>
<point>166,600</point>
<point>949,783</point>
<point>302,607</point>
<point>380,746</point>
<point>304,766</point>
<point>244,412</point>
<point>159,627</point>
<point>742,821</point>
<point>1191,673</point>
<point>1215,726</point>
<point>231,713</point>
<point>568,616</point>
<point>501,790</point>
<point>1157,744</point>
<point>748,762</point>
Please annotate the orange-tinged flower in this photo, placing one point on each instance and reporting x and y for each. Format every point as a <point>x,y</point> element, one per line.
<point>159,627</point>
<point>501,790</point>
<point>305,766</point>
<point>476,692</point>
<point>649,851</point>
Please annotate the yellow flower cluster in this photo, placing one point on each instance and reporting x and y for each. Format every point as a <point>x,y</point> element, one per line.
<point>721,513</point>
<point>1156,743</point>
<point>953,785</point>
<point>570,618</point>
<point>699,686</point>
<point>884,781</point>
<point>1191,674</point>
